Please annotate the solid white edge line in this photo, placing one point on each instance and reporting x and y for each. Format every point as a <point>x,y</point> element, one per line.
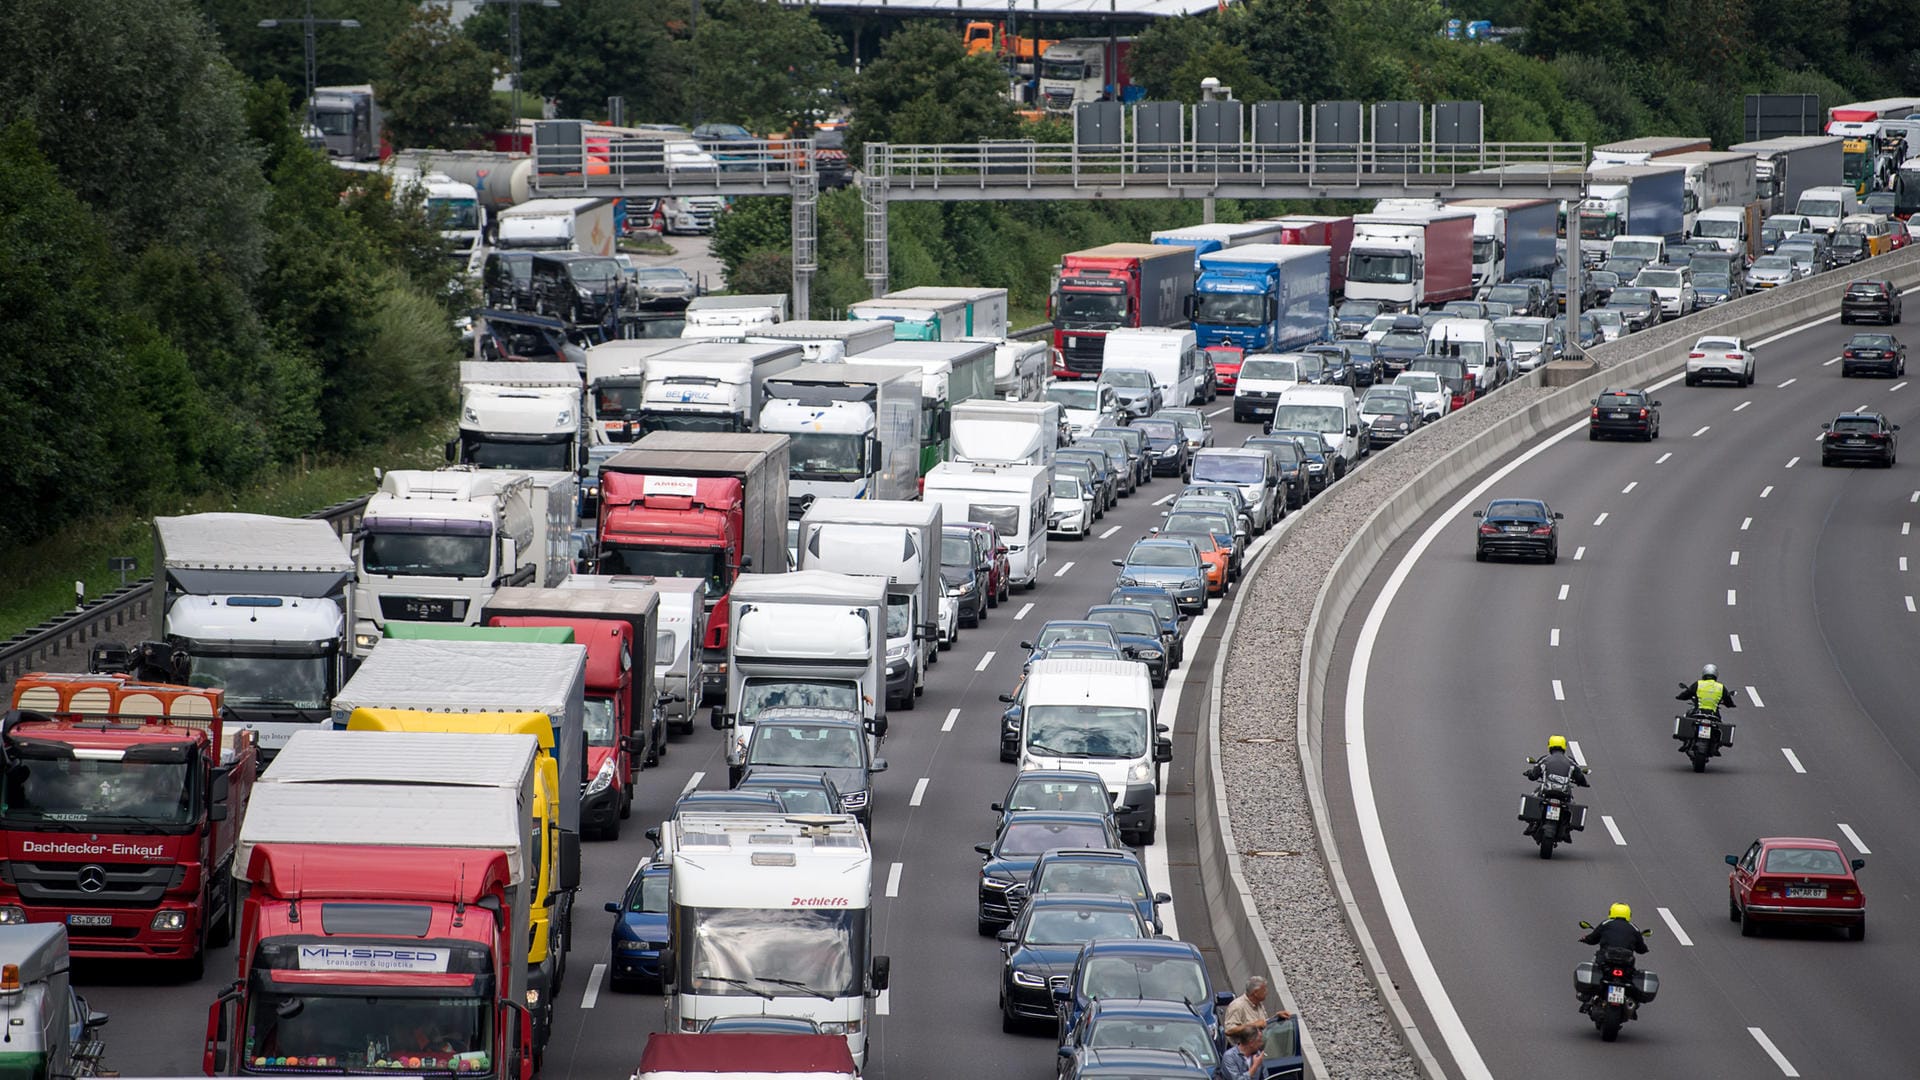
<point>1022,613</point>
<point>1373,836</point>
<point>1780,1059</point>
<point>984,661</point>
<point>693,782</point>
<point>893,879</point>
<point>1613,830</point>
<point>1793,759</point>
<point>592,996</point>
<point>1753,695</point>
<point>952,715</point>
<point>1854,839</point>
<point>1673,924</point>
<point>919,791</point>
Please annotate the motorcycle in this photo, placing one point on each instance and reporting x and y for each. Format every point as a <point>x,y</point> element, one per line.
<point>1551,815</point>
<point>1612,990</point>
<point>1702,733</point>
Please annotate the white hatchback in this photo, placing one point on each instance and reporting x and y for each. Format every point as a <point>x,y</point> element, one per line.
<point>1429,393</point>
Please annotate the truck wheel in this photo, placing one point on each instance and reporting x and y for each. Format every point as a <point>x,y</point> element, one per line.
<point>626,806</point>
<point>221,933</point>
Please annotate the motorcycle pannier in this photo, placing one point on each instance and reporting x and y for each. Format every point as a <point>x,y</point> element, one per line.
<point>1645,986</point>
<point>1586,978</point>
<point>1577,816</point>
<point>1531,808</point>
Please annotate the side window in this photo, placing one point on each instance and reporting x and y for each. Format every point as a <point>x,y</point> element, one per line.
<point>1751,858</point>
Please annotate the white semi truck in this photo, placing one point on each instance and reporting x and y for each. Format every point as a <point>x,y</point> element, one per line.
<point>712,385</point>
<point>584,225</point>
<point>897,540</point>
<point>262,606</point>
<point>824,340</point>
<point>727,318</point>
<point>519,416</point>
<point>616,384</point>
<point>855,431</point>
<point>433,545</point>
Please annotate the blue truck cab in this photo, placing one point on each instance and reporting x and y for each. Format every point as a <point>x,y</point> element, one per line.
<point>1264,297</point>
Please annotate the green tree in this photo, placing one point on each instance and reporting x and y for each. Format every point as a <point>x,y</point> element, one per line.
<point>1293,44</point>
<point>344,56</point>
<point>762,65</point>
<point>586,51</point>
<point>924,88</point>
<point>439,88</point>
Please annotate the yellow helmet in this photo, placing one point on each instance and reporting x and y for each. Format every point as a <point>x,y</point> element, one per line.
<point>1620,911</point>
<point>1556,742</point>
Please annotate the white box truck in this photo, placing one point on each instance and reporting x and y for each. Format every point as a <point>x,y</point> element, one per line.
<point>986,309</point>
<point>726,318</point>
<point>899,541</point>
<point>1007,432</point>
<point>712,385</point>
<point>855,431</point>
<point>558,225</point>
<point>824,341</point>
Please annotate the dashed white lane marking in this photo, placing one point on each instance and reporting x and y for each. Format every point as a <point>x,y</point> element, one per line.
<point>1673,924</point>
<point>893,880</point>
<point>984,661</point>
<point>1737,408</point>
<point>1165,499</point>
<point>693,782</point>
<point>1111,529</point>
<point>1906,527</point>
<point>1631,484</point>
<point>1910,603</point>
<point>1064,567</point>
<point>1745,524</point>
<point>1553,638</point>
<point>1662,459</point>
<point>1793,760</point>
<point>1753,695</point>
<point>1896,386</point>
<point>1601,520</point>
<point>883,1005</point>
<point>1564,589</point>
<point>1703,431</point>
<point>1903,564</point>
<point>952,716</point>
<point>1579,553</point>
<point>1786,384</point>
<point>1022,613</point>
<point>1222,411</point>
<point>1734,640</point>
<point>1862,407</point>
<point>1831,362</point>
<point>1613,830</point>
<point>1573,750</point>
<point>1730,598</point>
<point>592,997</point>
<point>1915,498</point>
<point>1780,1059</point>
<point>1559,694</point>
<point>1768,490</point>
<point>1854,839</point>
<point>919,793</point>
<point>1734,559</point>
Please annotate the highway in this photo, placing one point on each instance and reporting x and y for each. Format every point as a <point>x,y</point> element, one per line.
<point>940,1017</point>
<point>1725,541</point>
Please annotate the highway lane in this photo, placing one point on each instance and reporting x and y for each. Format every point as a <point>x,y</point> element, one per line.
<point>944,982</point>
<point>1474,666</point>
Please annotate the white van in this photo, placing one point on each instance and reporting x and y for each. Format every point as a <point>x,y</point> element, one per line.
<point>1332,411</point>
<point>1250,470</point>
<point>1651,250</point>
<point>1097,715</point>
<point>1823,207</point>
<point>1488,356</point>
<point>1170,355</point>
<point>1017,500</point>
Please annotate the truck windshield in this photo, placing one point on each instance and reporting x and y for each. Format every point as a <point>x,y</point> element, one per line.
<point>1818,208</point>
<point>1380,267</point>
<point>1078,307</point>
<point>1483,249</point>
<point>1717,229</point>
<point>657,420</point>
<point>550,454</point>
<point>666,563</point>
<point>361,1031</point>
<point>1087,731</point>
<point>1063,70</point>
<point>617,401</point>
<point>1074,397</point>
<point>454,214</point>
<point>426,554</point>
<point>299,682</point>
<point>599,721</point>
<point>1230,309</point>
<point>760,695</point>
<point>755,952</point>
<point>819,455</point>
<point>899,617</point>
<point>40,790</point>
<point>1597,227</point>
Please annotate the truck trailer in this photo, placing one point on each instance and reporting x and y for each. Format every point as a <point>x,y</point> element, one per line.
<point>1787,166</point>
<point>680,629</point>
<point>823,340</point>
<point>1411,261</point>
<point>1321,230</point>
<point>1209,238</point>
<point>1007,432</point>
<point>726,318</point>
<point>1631,200</point>
<point>985,315</point>
<point>1109,287</point>
<point>1512,238</point>
<point>898,541</point>
<point>951,373</point>
<point>582,224</point>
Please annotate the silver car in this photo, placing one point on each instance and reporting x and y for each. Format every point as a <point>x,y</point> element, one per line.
<point>1772,271</point>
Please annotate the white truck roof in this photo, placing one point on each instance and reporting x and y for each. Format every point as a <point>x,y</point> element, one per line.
<point>804,586</point>
<point>457,483</point>
<point>1089,682</point>
<point>251,542</point>
<point>519,374</point>
<point>382,815</point>
<point>465,676</point>
<point>764,860</point>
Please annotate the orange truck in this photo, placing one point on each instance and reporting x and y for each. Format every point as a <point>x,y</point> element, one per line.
<point>984,36</point>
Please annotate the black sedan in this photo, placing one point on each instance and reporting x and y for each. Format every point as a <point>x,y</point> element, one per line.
<point>1632,413</point>
<point>1166,611</point>
<point>1167,450</point>
<point>1043,944</point>
<point>1862,437</point>
<point>1337,363</point>
<point>1880,353</point>
<point>1523,528</point>
<point>1007,863</point>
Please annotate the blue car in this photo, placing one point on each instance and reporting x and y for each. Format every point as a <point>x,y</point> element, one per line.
<point>1152,969</point>
<point>1041,945</point>
<point>1171,564</point>
<point>1132,1063</point>
<point>1133,1024</point>
<point>1007,862</point>
<point>640,929</point>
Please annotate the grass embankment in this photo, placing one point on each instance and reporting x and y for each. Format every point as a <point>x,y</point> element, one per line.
<point>40,576</point>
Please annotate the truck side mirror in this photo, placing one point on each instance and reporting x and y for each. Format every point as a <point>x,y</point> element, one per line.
<point>874,457</point>
<point>453,451</point>
<point>568,870</point>
<point>222,781</point>
<point>217,812</point>
<point>653,834</point>
<point>634,744</point>
<point>666,965</point>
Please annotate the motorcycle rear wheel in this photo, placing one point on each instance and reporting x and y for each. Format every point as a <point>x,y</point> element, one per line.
<point>1546,848</point>
<point>1609,1032</point>
<point>1699,764</point>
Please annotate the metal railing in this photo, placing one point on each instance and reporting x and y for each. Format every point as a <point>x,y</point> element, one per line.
<point>635,166</point>
<point>124,607</point>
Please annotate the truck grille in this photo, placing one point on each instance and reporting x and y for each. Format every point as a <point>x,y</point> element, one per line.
<point>113,884</point>
<point>423,609</point>
<point>1084,352</point>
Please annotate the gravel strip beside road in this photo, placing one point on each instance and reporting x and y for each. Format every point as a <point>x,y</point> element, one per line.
<point>1268,804</point>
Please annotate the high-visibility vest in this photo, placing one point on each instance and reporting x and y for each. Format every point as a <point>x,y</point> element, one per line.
<point>1708,692</point>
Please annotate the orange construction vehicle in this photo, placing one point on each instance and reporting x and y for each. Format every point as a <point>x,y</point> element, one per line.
<point>984,36</point>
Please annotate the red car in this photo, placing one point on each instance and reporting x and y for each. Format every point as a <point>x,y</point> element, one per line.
<point>1226,365</point>
<point>1000,572</point>
<point>1796,879</point>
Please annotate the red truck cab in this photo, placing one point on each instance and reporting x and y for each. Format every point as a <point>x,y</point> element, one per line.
<point>120,810</point>
<point>686,527</point>
<point>1114,286</point>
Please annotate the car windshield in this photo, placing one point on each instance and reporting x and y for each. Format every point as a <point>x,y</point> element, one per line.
<point>1105,877</point>
<point>1075,796</point>
<point>651,897</point>
<point>1074,397</point>
<point>1716,345</point>
<point>1857,288</point>
<point>1157,429</point>
<point>796,797</point>
<point>1175,1035</point>
<point>1631,297</point>
<point>1161,555</point>
<point>1871,341</point>
<point>1359,310</point>
<point>1155,978</point>
<point>1056,633</point>
<point>1789,860</point>
<point>1194,521</point>
<point>1621,401</point>
<point>1035,837</point>
<point>1379,267</point>
<point>899,616</point>
<point>1821,208</point>
<point>662,275</point>
<point>599,721</point>
<point>956,551</point>
<point>1160,603</point>
<point>763,951</point>
<point>1063,927</point>
<point>1850,240</point>
<point>1311,440</point>
<point>1511,294</point>
<point>1285,451</point>
<point>1387,406</point>
<point>39,790</point>
<point>1324,418</point>
<point>759,695</point>
<point>812,746</point>
<point>1529,332</point>
<point>1257,368</point>
<point>1771,262</point>
<point>1128,622</point>
<point>1411,340</point>
<point>1422,382</point>
<point>1228,469</point>
<point>1086,731</point>
<point>1130,378</point>
<point>1718,228</point>
<point>1514,508</point>
<point>1066,487</point>
<point>1608,319</point>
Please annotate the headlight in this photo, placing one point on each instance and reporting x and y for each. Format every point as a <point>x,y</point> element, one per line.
<point>1191,583</point>
<point>897,652</point>
<point>169,920</point>
<point>1023,978</point>
<point>1140,773</point>
<point>991,884</point>
<point>1316,466</point>
<point>365,641</point>
<point>1403,425</point>
<point>840,1027</point>
<point>12,915</point>
<point>853,800</point>
<point>959,590</point>
<point>602,780</point>
<point>1125,580</point>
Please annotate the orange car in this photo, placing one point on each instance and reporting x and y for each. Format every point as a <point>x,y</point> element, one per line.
<point>1212,556</point>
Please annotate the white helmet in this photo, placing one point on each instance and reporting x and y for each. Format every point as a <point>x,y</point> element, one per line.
<point>1710,672</point>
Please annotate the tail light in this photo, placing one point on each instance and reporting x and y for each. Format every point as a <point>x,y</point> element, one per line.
<point>1696,356</point>
<point>1848,353</point>
<point>1596,412</point>
<point>1643,414</point>
<point>1543,530</point>
<point>1619,972</point>
<point>1489,530</point>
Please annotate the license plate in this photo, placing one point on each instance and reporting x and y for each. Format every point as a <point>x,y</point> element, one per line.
<point>1618,416</point>
<point>1516,528</point>
<point>1553,813</point>
<point>1704,731</point>
<point>1856,442</point>
<point>107,920</point>
<point>1616,995</point>
<point>1806,892</point>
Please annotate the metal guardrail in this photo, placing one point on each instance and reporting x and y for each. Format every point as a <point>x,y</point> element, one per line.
<point>32,649</point>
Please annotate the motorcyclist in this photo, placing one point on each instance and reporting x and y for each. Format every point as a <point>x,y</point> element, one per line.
<point>1708,693</point>
<point>1617,932</point>
<point>1557,762</point>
